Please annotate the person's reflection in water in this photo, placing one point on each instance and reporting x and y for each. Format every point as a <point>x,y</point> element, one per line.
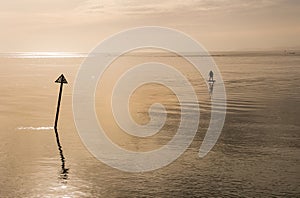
<point>64,171</point>
<point>211,88</point>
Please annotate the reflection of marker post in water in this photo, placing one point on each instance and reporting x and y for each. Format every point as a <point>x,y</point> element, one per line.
<point>62,80</point>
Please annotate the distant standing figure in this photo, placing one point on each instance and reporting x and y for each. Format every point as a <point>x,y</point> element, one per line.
<point>211,76</point>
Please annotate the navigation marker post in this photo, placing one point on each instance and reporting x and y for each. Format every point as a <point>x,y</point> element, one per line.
<point>62,80</point>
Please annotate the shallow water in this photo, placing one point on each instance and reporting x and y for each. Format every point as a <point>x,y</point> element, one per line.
<point>257,154</point>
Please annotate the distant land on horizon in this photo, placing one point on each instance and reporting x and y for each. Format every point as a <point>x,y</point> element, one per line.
<point>244,50</point>
<point>151,54</point>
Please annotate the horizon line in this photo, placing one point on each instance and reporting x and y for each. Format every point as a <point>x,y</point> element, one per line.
<point>78,52</point>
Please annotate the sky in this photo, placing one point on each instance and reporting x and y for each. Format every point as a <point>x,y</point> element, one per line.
<point>79,25</point>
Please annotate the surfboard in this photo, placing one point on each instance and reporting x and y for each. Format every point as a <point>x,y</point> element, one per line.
<point>211,81</point>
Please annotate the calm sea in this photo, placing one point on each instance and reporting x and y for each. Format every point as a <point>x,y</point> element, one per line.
<point>257,154</point>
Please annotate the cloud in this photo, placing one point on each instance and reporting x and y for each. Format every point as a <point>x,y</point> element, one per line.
<point>145,7</point>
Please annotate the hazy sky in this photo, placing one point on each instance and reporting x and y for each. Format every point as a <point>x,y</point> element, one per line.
<point>79,25</point>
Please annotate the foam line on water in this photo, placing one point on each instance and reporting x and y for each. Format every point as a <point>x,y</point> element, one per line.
<point>35,128</point>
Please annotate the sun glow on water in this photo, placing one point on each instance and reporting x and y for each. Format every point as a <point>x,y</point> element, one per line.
<point>43,55</point>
